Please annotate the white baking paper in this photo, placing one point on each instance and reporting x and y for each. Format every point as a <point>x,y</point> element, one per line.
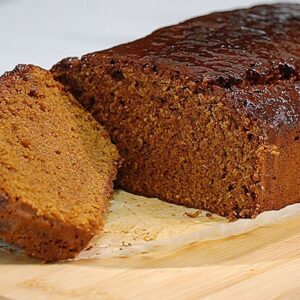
<point>136,224</point>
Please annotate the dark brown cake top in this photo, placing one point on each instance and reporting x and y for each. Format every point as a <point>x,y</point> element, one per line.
<point>260,44</point>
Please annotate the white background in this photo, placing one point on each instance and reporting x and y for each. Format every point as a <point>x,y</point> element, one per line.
<point>42,32</point>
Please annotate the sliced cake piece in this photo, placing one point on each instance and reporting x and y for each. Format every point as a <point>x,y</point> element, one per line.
<point>205,113</point>
<point>57,167</point>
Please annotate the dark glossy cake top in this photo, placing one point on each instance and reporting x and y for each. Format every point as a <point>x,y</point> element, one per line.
<point>252,56</point>
<point>259,45</point>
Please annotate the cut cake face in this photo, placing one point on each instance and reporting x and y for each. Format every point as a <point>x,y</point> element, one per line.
<point>57,166</point>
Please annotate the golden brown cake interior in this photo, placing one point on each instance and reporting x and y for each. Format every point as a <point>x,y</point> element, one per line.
<point>56,164</point>
<point>181,146</point>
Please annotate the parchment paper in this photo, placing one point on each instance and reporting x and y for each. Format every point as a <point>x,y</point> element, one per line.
<point>137,224</point>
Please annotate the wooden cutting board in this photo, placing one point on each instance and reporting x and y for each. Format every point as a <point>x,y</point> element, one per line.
<point>262,264</point>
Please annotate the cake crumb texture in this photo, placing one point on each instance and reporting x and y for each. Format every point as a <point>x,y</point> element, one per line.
<point>57,166</point>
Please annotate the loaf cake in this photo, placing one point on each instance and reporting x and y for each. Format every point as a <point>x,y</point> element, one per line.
<point>57,165</point>
<point>206,112</point>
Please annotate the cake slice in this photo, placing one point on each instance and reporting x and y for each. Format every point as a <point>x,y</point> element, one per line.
<point>206,112</point>
<point>57,167</point>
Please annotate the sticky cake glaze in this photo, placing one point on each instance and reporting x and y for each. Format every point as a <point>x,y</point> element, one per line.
<point>206,112</point>
<point>259,44</point>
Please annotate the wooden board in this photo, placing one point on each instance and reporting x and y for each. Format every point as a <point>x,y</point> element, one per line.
<point>262,264</point>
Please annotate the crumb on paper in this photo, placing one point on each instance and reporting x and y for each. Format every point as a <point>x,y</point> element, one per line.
<point>148,238</point>
<point>193,214</point>
<point>209,215</point>
<point>232,217</point>
<point>124,244</point>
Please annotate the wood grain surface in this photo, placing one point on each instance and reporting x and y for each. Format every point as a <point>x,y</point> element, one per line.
<point>262,264</point>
